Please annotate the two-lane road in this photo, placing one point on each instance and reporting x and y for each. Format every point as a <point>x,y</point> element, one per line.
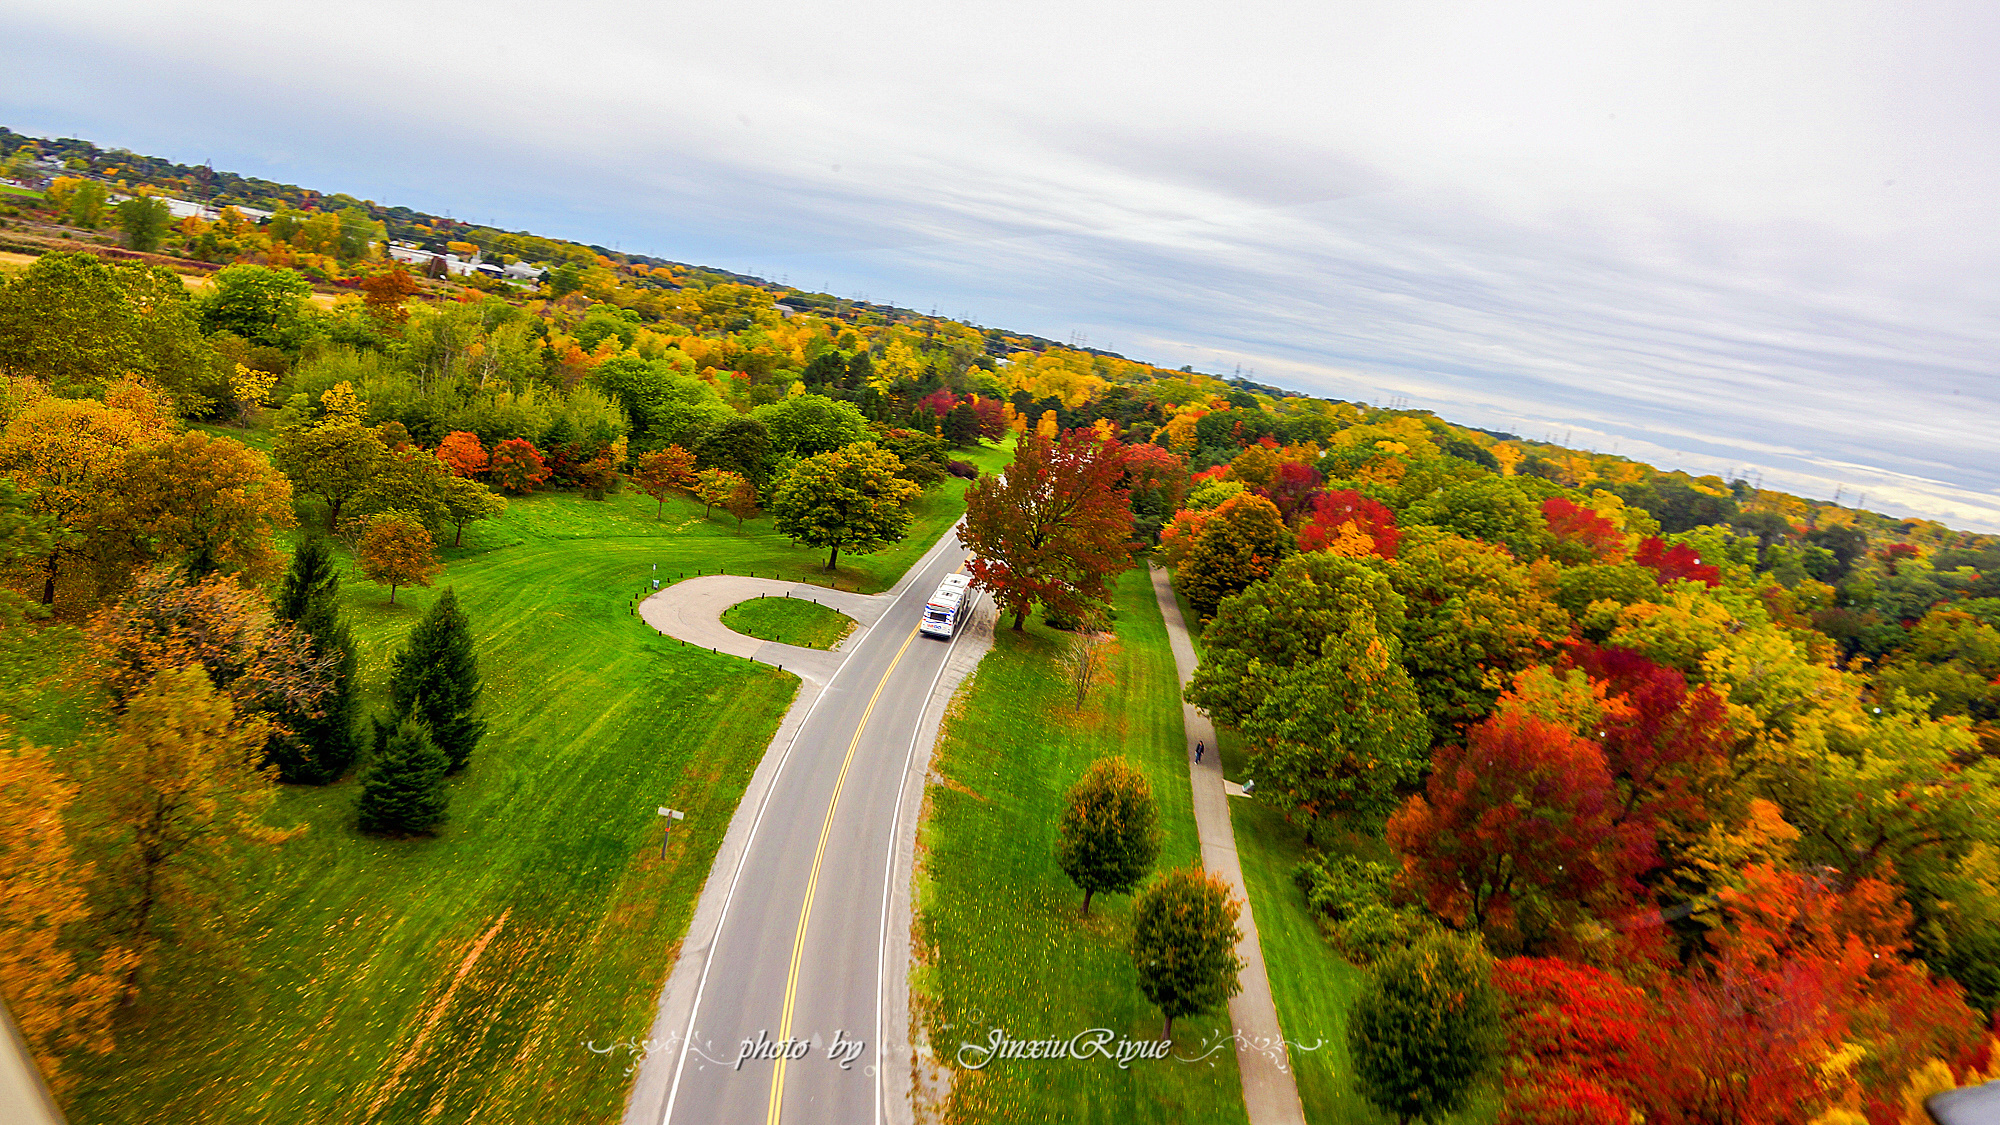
<point>793,975</point>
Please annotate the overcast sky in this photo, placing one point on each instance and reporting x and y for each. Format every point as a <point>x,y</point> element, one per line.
<point>1728,236</point>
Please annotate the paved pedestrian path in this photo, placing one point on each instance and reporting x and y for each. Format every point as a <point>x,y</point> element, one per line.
<point>1270,1094</point>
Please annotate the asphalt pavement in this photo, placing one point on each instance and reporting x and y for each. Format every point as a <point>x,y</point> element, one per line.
<point>776,1009</point>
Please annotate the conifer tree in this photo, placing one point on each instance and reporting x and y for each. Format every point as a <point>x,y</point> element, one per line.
<point>322,746</point>
<point>404,791</point>
<point>436,681</point>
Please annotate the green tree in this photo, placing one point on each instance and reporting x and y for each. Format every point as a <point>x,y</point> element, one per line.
<point>1184,939</point>
<point>322,743</point>
<point>1425,1029</point>
<point>1240,544</point>
<point>333,461</point>
<point>85,205</point>
<point>1489,508</point>
<point>79,325</point>
<point>465,501</point>
<point>411,481</point>
<point>259,303</point>
<point>436,681</point>
<point>404,789</point>
<point>144,221</point>
<point>739,444</point>
<point>850,498</point>
<point>803,425</point>
<point>1109,834</point>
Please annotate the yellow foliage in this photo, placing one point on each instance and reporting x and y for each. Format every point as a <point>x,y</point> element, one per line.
<point>1509,455</point>
<point>1350,542</point>
<point>1048,426</point>
<point>1934,1077</point>
<point>342,405</point>
<point>251,387</point>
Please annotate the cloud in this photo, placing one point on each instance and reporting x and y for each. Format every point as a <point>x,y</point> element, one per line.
<point>1721,235</point>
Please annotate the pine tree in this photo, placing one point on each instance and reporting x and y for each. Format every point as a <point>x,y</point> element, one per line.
<point>323,746</point>
<point>404,789</point>
<point>436,681</point>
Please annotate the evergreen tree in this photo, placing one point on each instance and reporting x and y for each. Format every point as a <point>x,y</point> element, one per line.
<point>322,746</point>
<point>436,681</point>
<point>404,788</point>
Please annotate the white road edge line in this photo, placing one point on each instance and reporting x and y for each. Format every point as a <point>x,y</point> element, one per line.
<point>680,1064</point>
<point>895,840</point>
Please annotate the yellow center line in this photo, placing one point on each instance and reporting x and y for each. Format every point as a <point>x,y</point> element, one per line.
<point>812,884</point>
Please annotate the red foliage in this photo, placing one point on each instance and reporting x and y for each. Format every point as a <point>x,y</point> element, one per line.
<point>1678,561</point>
<point>517,465</point>
<point>462,454</point>
<point>938,402</point>
<point>1523,808</point>
<point>992,417</point>
<point>1149,468</point>
<point>1213,472</point>
<point>1563,1098</point>
<point>1579,1043</point>
<point>1293,489</point>
<point>1588,534</point>
<point>1662,742</point>
<point>1332,509</point>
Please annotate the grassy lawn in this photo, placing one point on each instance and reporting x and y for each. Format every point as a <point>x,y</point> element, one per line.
<point>789,621</point>
<point>459,977</point>
<point>1001,944</point>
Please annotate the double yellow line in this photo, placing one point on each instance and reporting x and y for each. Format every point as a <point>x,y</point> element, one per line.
<point>812,884</point>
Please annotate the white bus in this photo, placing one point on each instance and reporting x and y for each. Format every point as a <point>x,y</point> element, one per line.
<point>953,595</point>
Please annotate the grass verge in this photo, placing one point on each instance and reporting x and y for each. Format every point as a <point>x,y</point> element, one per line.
<point>1000,941</point>
<point>789,621</point>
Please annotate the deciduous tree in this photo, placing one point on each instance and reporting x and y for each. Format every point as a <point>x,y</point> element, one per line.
<point>1240,543</point>
<point>517,466</point>
<point>462,454</point>
<point>1184,939</point>
<point>848,499</point>
<point>397,550</point>
<point>1425,1029</point>
<point>144,221</point>
<point>467,501</point>
<point>183,793</point>
<point>1109,833</point>
<point>662,471</point>
<point>332,461</point>
<point>208,503</point>
<point>716,486</point>
<point>1053,527</point>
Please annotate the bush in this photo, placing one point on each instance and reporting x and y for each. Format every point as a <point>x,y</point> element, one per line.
<point>965,469</point>
<point>1349,899</point>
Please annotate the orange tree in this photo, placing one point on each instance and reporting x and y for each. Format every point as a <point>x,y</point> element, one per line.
<point>462,453</point>
<point>518,465</point>
<point>396,550</point>
<point>662,471</point>
<point>1053,527</point>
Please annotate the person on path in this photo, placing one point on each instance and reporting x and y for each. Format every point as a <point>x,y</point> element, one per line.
<point>1199,746</point>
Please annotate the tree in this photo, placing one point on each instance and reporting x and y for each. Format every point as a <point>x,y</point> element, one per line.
<point>1109,833</point>
<point>517,466</point>
<point>259,303</point>
<point>850,498</point>
<point>183,792</point>
<point>436,681</point>
<point>144,220</point>
<point>740,444</point>
<point>59,1001</point>
<point>662,471</point>
<point>384,293</point>
<point>397,550</point>
<point>740,501</point>
<point>208,503</point>
<point>1184,939</point>
<point>803,425</point>
<point>333,461</point>
<point>1425,1029</point>
<point>1158,481</point>
<point>1578,1039</point>
<point>1347,523</point>
<point>404,790</point>
<point>1052,527</point>
<point>462,454</point>
<point>80,325</point>
<point>716,486</point>
<point>466,501</point>
<point>409,481</point>
<point>1515,830</point>
<point>321,745</point>
<point>1240,543</point>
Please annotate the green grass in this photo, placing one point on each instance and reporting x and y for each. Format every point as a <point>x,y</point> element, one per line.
<point>357,998</point>
<point>257,438</point>
<point>28,193</point>
<point>1001,944</point>
<point>789,621</point>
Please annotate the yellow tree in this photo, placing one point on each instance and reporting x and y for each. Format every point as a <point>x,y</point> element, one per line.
<point>210,502</point>
<point>58,1002</point>
<point>396,550</point>
<point>183,794</point>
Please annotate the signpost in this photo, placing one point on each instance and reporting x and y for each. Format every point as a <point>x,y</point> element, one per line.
<point>670,815</point>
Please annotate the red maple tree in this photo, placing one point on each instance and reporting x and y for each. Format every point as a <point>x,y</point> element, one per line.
<point>1052,527</point>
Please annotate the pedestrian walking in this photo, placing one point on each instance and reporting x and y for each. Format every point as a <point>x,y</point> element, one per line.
<point>1199,746</point>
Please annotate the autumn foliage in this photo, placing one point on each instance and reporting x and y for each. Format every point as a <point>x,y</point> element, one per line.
<point>462,454</point>
<point>1676,562</point>
<point>1347,523</point>
<point>1053,527</point>
<point>517,466</point>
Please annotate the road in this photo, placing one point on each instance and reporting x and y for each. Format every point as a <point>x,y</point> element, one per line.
<point>794,968</point>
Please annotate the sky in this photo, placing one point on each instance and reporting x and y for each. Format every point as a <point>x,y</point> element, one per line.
<point>1746,238</point>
